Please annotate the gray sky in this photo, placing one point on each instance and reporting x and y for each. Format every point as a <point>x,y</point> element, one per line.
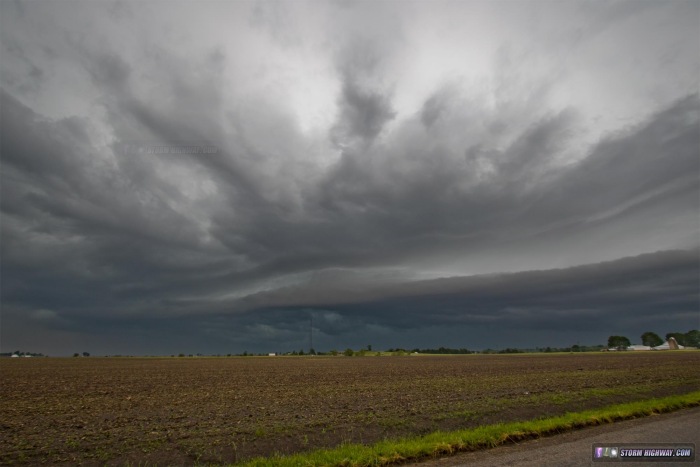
<point>411,174</point>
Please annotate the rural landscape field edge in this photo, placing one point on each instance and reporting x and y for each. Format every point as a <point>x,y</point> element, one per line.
<point>441,443</point>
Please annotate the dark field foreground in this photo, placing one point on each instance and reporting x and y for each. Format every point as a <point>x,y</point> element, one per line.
<point>97,411</point>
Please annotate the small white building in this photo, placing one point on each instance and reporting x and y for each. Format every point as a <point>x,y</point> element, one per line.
<point>638,347</point>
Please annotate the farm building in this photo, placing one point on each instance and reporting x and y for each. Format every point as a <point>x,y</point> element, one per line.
<point>670,344</point>
<point>638,347</point>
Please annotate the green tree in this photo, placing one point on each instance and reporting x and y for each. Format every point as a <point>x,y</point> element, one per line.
<point>349,353</point>
<point>651,339</point>
<point>618,342</point>
<point>692,338</point>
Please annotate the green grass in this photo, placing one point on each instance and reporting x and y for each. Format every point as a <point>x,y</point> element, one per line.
<point>442,443</point>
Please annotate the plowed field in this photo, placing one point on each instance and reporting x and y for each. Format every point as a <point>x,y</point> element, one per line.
<point>109,411</point>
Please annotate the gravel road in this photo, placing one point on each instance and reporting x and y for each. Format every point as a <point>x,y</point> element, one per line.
<point>574,448</point>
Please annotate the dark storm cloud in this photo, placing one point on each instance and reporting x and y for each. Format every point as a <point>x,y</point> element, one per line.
<point>363,110</point>
<point>439,195</point>
<point>108,70</point>
<point>628,285</point>
<point>627,296</point>
<point>130,239</point>
<point>345,219</point>
<point>76,228</point>
<point>363,114</point>
<point>27,77</point>
<point>556,307</point>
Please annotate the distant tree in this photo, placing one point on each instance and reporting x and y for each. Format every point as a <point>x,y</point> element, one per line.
<point>76,354</point>
<point>692,338</point>
<point>651,339</point>
<point>301,352</point>
<point>86,354</point>
<point>312,351</point>
<point>369,347</point>
<point>618,342</point>
<point>349,353</point>
<point>334,352</point>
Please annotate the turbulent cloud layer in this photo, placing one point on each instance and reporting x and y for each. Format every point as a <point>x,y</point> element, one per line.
<point>208,178</point>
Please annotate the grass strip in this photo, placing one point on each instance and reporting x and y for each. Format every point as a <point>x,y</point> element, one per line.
<point>441,443</point>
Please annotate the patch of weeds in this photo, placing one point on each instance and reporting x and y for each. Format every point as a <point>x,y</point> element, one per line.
<point>392,422</point>
<point>72,443</point>
<point>601,392</point>
<point>280,429</point>
<point>102,454</point>
<point>458,414</point>
<point>559,398</point>
<point>466,414</point>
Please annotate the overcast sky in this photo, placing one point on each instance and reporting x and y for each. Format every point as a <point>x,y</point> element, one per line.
<point>205,177</point>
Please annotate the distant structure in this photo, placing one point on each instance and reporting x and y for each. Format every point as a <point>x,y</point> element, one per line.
<point>638,347</point>
<point>670,344</point>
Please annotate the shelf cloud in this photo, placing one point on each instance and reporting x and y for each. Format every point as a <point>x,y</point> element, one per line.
<point>208,178</point>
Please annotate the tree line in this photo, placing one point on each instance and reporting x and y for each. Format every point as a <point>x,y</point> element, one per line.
<point>651,339</point>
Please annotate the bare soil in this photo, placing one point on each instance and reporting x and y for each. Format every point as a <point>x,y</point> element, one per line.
<point>180,411</point>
